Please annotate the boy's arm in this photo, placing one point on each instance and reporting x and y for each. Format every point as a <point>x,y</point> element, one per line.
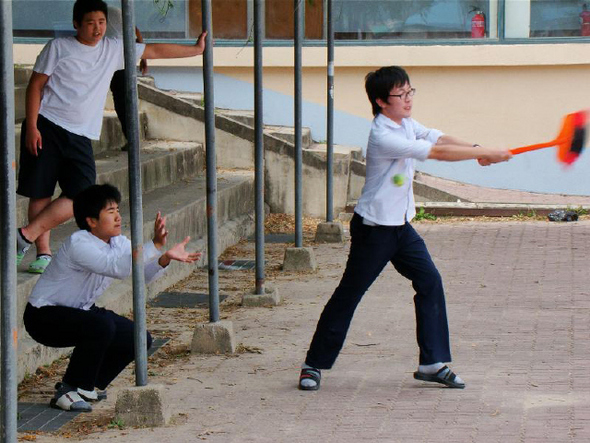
<point>37,82</point>
<point>452,149</point>
<point>171,50</point>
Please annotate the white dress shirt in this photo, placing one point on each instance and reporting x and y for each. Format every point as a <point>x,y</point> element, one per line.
<point>393,149</point>
<point>85,266</point>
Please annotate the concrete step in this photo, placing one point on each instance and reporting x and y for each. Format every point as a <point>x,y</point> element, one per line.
<point>286,133</point>
<point>184,205</point>
<point>22,75</point>
<point>162,163</point>
<point>20,92</point>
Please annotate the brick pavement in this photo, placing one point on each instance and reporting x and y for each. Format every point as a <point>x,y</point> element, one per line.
<point>518,296</point>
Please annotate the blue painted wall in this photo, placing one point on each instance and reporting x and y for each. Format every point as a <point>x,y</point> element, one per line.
<point>536,171</point>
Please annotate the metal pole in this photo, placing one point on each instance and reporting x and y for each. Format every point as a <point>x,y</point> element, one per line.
<point>9,333</point>
<point>135,201</point>
<point>501,20</point>
<point>330,119</point>
<point>298,37</point>
<point>259,143</point>
<point>211,165</point>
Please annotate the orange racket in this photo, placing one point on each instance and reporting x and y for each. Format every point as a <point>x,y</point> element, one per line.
<point>569,142</point>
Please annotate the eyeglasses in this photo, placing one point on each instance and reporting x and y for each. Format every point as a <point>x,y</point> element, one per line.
<point>405,95</point>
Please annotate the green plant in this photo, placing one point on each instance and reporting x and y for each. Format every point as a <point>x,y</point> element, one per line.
<point>579,210</point>
<point>423,215</point>
<point>116,423</point>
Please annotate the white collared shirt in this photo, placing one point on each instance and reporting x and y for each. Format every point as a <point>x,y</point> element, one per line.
<point>393,149</point>
<point>85,266</point>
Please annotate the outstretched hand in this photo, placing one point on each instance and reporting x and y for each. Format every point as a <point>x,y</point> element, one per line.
<point>160,231</point>
<point>179,253</point>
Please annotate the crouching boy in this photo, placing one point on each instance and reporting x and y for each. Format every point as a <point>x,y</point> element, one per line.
<point>61,311</point>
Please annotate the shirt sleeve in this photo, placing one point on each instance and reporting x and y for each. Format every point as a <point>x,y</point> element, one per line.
<point>424,133</point>
<point>152,269</point>
<point>139,48</point>
<point>47,59</point>
<point>393,146</point>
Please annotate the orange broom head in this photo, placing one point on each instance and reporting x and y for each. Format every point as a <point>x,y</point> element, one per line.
<point>570,141</point>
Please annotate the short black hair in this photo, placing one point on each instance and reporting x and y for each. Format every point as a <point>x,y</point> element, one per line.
<point>91,201</point>
<point>82,7</point>
<point>379,83</point>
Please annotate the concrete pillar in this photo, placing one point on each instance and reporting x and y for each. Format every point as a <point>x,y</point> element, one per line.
<point>329,232</point>
<point>142,406</point>
<point>271,297</point>
<point>299,260</point>
<point>214,338</point>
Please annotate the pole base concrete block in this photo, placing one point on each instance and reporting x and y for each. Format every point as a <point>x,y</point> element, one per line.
<point>214,338</point>
<point>143,406</point>
<point>271,297</point>
<point>299,260</point>
<point>329,232</point>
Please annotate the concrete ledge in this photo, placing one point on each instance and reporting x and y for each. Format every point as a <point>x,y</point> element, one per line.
<point>329,232</point>
<point>488,209</point>
<point>214,338</point>
<point>142,406</point>
<point>271,297</point>
<point>299,260</point>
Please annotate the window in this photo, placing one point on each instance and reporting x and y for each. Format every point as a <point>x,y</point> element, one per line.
<point>414,20</point>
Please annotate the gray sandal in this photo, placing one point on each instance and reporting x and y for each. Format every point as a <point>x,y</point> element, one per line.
<point>444,376</point>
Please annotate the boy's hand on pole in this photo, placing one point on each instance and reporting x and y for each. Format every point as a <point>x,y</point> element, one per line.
<point>160,232</point>
<point>201,42</point>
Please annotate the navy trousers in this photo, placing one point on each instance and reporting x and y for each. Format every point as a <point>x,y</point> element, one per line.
<point>372,247</point>
<point>103,341</point>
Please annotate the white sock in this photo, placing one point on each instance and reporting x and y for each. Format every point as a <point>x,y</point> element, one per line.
<point>307,382</point>
<point>430,369</point>
<point>434,368</point>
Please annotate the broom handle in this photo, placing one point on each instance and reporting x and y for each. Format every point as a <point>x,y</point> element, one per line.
<point>534,147</point>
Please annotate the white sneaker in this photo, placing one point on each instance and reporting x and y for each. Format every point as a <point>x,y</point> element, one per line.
<point>70,401</point>
<point>92,395</point>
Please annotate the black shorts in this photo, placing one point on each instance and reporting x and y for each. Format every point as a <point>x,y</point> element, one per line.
<point>65,158</point>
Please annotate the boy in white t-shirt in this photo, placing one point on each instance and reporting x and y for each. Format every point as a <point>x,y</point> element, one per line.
<point>64,108</point>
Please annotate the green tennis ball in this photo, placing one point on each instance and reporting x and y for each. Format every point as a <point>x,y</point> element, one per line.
<point>398,179</point>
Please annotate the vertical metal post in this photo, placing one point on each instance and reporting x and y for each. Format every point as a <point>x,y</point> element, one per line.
<point>9,335</point>
<point>135,199</point>
<point>330,119</point>
<point>298,38</point>
<point>259,143</point>
<point>211,165</point>
<point>501,20</point>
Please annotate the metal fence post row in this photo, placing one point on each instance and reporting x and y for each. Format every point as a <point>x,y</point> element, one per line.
<point>259,143</point>
<point>330,117</point>
<point>211,165</point>
<point>9,334</point>
<point>135,197</point>
<point>299,6</point>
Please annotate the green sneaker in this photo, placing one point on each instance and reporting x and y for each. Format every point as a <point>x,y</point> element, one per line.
<point>22,247</point>
<point>39,265</point>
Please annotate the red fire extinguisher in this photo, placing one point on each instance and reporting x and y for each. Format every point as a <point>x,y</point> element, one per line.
<point>478,24</point>
<point>585,21</point>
